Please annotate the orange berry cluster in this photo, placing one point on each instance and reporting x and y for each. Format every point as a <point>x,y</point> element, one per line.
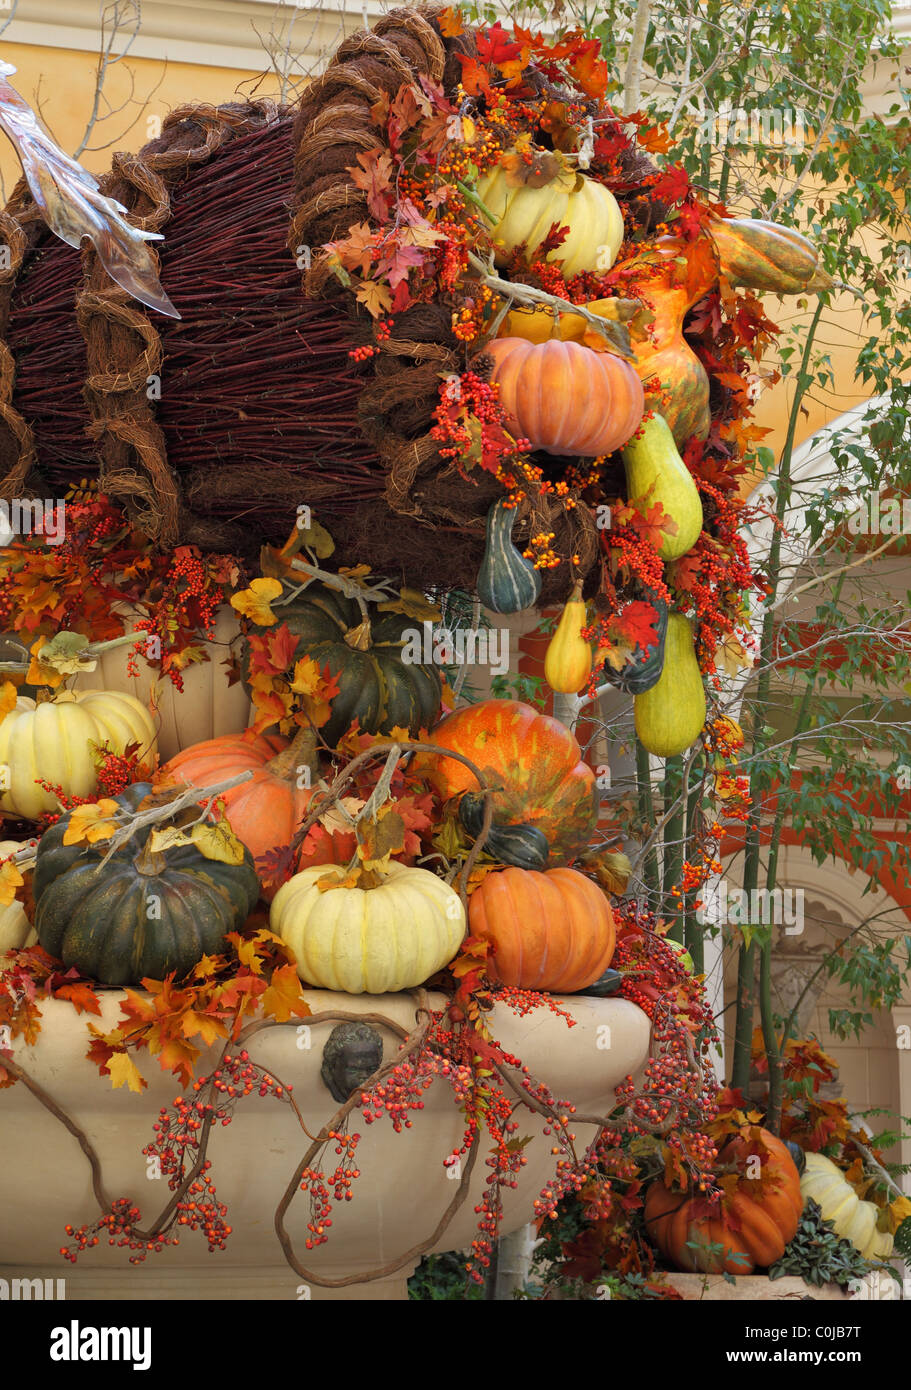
<point>319,1186</point>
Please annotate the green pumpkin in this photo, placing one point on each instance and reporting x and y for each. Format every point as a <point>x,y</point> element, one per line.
<point>507,582</point>
<point>379,685</point>
<point>523,846</point>
<point>640,672</point>
<point>140,914</point>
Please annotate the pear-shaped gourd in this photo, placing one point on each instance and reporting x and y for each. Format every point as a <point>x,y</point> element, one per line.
<point>670,716</point>
<point>507,582</point>
<point>568,663</point>
<point>655,472</point>
<point>853,1219</point>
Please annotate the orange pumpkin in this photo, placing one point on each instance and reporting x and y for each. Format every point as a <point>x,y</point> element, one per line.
<point>552,931</point>
<point>533,760</point>
<point>750,1223</point>
<point>266,811</point>
<point>566,398</point>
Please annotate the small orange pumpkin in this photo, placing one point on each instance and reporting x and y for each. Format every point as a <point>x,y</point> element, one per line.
<point>551,931</point>
<point>749,1224</point>
<point>264,812</point>
<point>565,397</point>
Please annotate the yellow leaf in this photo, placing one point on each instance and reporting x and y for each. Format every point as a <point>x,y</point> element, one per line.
<point>375,297</point>
<point>381,839</point>
<point>306,676</point>
<point>218,842</point>
<point>283,998</point>
<point>255,603</point>
<point>92,823</point>
<point>8,698</point>
<point>124,1072</point>
<point>10,880</point>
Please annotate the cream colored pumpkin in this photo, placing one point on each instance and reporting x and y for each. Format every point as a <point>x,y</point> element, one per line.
<point>15,929</point>
<point>207,707</point>
<point>369,941</point>
<point>854,1220</point>
<point>51,741</point>
<point>525,215</point>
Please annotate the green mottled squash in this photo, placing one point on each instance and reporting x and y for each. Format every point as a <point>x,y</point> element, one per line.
<point>670,716</point>
<point>507,582</point>
<point>655,472</point>
<point>524,846</point>
<point>379,684</point>
<point>142,914</point>
<point>643,669</point>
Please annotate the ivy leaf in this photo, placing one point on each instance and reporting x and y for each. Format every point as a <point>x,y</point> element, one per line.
<point>217,842</point>
<point>92,823</point>
<point>255,603</point>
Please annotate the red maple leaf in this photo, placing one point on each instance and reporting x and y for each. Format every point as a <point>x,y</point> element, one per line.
<point>636,625</point>
<point>672,185</point>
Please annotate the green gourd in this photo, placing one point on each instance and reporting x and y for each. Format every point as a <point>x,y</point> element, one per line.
<point>655,472</point>
<point>523,846</point>
<point>643,669</point>
<point>507,582</point>
<point>143,913</point>
<point>669,717</point>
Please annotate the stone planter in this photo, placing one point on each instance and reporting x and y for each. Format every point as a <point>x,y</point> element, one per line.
<point>751,1288</point>
<point>399,1197</point>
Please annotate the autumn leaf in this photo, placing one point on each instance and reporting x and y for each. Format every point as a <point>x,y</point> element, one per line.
<point>450,23</point>
<point>81,996</point>
<point>8,698</point>
<point>318,688</point>
<point>732,656</point>
<point>255,603</point>
<point>375,177</point>
<point>171,837</point>
<point>355,251</point>
<point>10,880</point>
<point>375,298</point>
<point>62,656</point>
<point>123,1071</point>
<point>414,605</point>
<point>92,823</point>
<point>202,1025</point>
<point>380,839</point>
<point>283,999</point>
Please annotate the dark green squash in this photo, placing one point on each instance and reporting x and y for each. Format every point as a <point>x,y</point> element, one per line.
<point>507,582</point>
<point>377,686</point>
<point>140,914</point>
<point>643,669</point>
<point>798,1155</point>
<point>605,985</point>
<point>523,846</point>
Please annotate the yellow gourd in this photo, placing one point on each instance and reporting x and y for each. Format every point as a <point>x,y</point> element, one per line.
<point>369,940</point>
<point>655,472</point>
<point>853,1219</point>
<point>568,663</point>
<point>669,717</point>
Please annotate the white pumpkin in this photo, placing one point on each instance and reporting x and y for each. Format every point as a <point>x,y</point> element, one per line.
<point>51,741</point>
<point>373,940</point>
<point>525,215</point>
<point>207,707</point>
<point>15,929</point>
<point>854,1220</point>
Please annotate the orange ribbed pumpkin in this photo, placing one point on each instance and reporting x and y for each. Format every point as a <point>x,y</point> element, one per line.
<point>266,811</point>
<point>565,397</point>
<point>552,931</point>
<point>752,1222</point>
<point>533,760</point>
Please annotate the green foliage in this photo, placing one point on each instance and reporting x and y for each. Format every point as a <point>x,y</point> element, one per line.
<point>530,689</point>
<point>818,1255</point>
<point>441,1279</point>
